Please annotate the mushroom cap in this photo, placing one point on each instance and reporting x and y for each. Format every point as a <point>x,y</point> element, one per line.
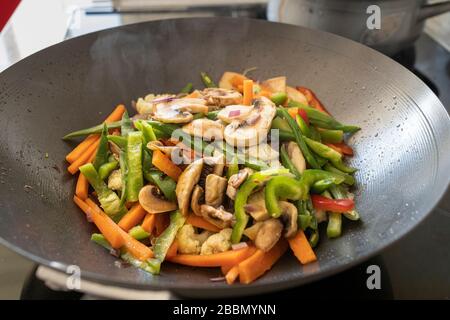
<point>215,187</point>
<point>289,216</point>
<point>234,112</point>
<point>186,182</point>
<point>296,156</point>
<point>205,128</point>
<point>197,200</point>
<point>268,234</point>
<point>153,202</point>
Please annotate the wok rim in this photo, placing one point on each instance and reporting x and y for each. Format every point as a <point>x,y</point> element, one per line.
<point>256,288</point>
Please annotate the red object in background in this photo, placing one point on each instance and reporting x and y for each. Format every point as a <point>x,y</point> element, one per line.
<point>7,8</point>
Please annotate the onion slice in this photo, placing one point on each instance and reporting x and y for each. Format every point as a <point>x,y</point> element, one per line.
<point>240,245</point>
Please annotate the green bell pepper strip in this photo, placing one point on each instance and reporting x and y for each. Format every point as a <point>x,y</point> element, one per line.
<point>348,179</point>
<point>287,163</point>
<point>124,172</point>
<point>300,140</point>
<point>166,184</point>
<point>315,135</point>
<point>292,189</point>
<point>187,88</point>
<point>212,115</point>
<point>322,185</point>
<point>135,179</point>
<point>105,169</point>
<point>138,233</point>
<point>330,154</point>
<point>285,135</point>
<point>147,131</point>
<point>108,199</point>
<point>339,192</point>
<point>233,167</point>
<point>164,241</point>
<point>206,79</point>
<point>255,180</point>
<point>101,157</point>
<point>126,126</point>
<point>120,141</point>
<point>334,227</point>
<point>127,257</point>
<point>314,238</point>
<point>331,136</point>
<point>310,209</point>
<point>165,128</point>
<point>278,98</point>
<point>281,124</point>
<point>304,128</point>
<point>323,120</point>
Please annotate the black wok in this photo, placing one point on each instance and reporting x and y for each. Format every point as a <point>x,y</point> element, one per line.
<point>402,151</point>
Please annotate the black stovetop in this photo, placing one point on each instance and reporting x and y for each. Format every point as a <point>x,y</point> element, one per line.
<point>417,266</point>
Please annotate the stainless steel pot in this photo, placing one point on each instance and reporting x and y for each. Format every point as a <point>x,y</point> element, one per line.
<point>401,24</point>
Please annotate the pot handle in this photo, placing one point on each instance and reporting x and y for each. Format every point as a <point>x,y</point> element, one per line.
<point>431,10</point>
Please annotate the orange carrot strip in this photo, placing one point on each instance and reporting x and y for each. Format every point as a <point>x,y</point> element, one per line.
<point>149,222</point>
<point>84,158</point>
<point>293,112</point>
<point>162,221</point>
<point>232,275</point>
<point>163,163</point>
<point>86,143</point>
<point>199,222</point>
<point>301,248</point>
<point>81,148</point>
<point>248,92</point>
<point>260,262</point>
<point>173,249</point>
<point>238,80</point>
<point>133,246</point>
<point>225,269</point>
<point>82,187</point>
<point>194,94</point>
<point>132,217</point>
<point>104,223</point>
<point>231,257</point>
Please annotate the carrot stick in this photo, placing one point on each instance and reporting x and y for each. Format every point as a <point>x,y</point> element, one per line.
<point>225,269</point>
<point>301,248</point>
<point>104,223</point>
<point>86,143</point>
<point>84,158</point>
<point>163,163</point>
<point>248,92</point>
<point>199,222</point>
<point>232,275</point>
<point>173,249</point>
<point>238,80</point>
<point>132,217</point>
<point>231,257</point>
<point>131,245</point>
<point>162,221</point>
<point>82,187</point>
<point>260,262</point>
<point>149,222</point>
<point>81,148</point>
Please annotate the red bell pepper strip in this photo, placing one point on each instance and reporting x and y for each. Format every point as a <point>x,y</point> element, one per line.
<point>334,205</point>
<point>302,113</point>
<point>312,99</point>
<point>342,148</point>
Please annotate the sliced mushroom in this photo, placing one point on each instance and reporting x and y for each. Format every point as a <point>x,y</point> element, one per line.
<point>252,231</point>
<point>277,84</point>
<point>296,156</point>
<point>186,182</point>
<point>256,206</point>
<point>234,112</point>
<point>226,82</point>
<point>295,95</point>
<point>178,110</point>
<point>219,97</point>
<point>269,234</point>
<point>151,199</point>
<point>255,128</point>
<point>217,216</point>
<point>263,152</point>
<point>168,115</point>
<point>197,200</point>
<point>171,151</point>
<point>214,190</point>
<point>205,128</point>
<point>289,216</point>
<point>211,165</point>
<point>145,106</point>
<point>235,181</point>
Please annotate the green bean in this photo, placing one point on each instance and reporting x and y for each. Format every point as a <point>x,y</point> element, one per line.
<point>287,163</point>
<point>187,88</point>
<point>331,136</point>
<point>304,128</point>
<point>92,130</point>
<point>135,180</point>
<point>105,169</point>
<point>206,79</point>
<point>348,179</point>
<point>334,227</point>
<point>138,233</point>
<point>101,157</point>
<point>278,98</point>
<point>339,192</point>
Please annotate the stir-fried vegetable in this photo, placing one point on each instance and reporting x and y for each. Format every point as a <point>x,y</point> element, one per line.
<point>227,177</point>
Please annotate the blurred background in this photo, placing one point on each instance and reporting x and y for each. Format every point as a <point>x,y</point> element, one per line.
<point>416,33</point>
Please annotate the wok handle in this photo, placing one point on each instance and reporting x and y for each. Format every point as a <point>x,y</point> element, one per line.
<point>431,10</point>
